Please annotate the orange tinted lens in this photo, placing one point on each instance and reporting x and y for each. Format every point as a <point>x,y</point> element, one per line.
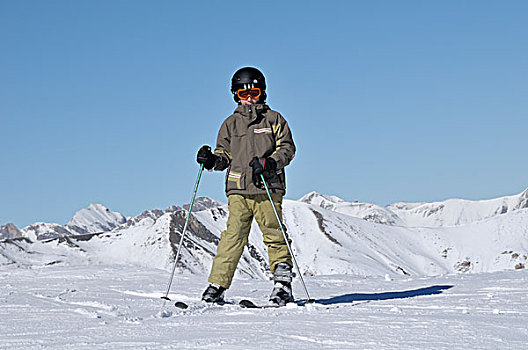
<point>254,92</point>
<point>245,93</point>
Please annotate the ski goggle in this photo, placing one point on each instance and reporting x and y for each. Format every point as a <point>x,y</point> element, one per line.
<point>244,94</point>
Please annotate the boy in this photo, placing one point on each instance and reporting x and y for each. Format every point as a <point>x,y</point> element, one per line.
<point>254,140</point>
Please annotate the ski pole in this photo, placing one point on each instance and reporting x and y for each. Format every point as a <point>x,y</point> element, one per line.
<point>310,300</point>
<point>166,297</point>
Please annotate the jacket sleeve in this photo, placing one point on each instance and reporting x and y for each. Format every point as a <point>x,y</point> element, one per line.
<point>284,146</point>
<point>223,148</point>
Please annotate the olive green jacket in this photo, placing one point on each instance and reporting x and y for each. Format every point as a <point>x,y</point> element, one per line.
<point>253,131</point>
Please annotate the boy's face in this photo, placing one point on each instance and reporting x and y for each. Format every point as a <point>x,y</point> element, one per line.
<point>250,100</point>
<point>249,96</point>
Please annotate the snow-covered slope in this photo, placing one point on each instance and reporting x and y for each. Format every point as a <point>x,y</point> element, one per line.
<point>119,307</point>
<point>329,242</point>
<point>44,230</point>
<point>363,276</point>
<point>95,218</point>
<point>451,212</point>
<point>327,236</point>
<point>456,211</point>
<point>365,211</point>
<point>149,239</point>
<point>23,252</point>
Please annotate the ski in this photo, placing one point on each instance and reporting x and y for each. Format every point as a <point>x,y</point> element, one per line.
<point>248,304</point>
<point>184,306</point>
<point>244,303</point>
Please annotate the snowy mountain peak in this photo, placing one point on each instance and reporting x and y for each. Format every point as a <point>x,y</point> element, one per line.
<point>9,231</point>
<point>523,199</point>
<point>454,212</point>
<point>204,203</point>
<point>95,218</point>
<point>323,201</point>
<point>451,212</point>
<point>44,230</point>
<point>365,211</point>
<point>342,239</point>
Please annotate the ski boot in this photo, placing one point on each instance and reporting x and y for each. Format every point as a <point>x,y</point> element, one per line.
<point>214,294</point>
<point>282,292</point>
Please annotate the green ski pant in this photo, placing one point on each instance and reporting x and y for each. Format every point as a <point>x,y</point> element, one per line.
<point>242,210</point>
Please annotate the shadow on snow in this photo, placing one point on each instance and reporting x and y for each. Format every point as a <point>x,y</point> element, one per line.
<point>349,298</point>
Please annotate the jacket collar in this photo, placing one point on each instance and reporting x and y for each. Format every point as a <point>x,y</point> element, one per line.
<point>249,110</point>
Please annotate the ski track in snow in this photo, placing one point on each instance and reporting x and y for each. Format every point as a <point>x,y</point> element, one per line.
<point>119,307</point>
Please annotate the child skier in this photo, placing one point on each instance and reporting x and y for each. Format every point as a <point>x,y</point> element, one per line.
<point>254,140</point>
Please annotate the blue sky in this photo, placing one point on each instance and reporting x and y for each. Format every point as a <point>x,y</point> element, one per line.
<point>108,101</point>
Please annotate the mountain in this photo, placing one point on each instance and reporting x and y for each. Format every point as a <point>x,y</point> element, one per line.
<point>203,203</point>
<point>9,231</point>
<point>454,212</point>
<point>152,238</point>
<point>95,218</point>
<point>44,230</point>
<point>328,242</point>
<point>330,236</point>
<point>365,211</point>
<point>451,212</point>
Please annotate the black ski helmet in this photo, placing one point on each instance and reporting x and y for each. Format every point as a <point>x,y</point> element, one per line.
<point>246,78</point>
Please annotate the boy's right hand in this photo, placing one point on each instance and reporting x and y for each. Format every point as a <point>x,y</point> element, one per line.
<point>206,157</point>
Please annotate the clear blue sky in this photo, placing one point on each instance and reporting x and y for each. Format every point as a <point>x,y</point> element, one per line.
<point>108,101</point>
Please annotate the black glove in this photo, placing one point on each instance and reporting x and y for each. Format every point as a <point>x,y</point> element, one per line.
<point>206,157</point>
<point>264,166</point>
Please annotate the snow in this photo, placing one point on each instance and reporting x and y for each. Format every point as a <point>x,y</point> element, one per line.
<point>95,218</point>
<point>456,211</point>
<point>380,279</point>
<point>119,306</point>
<point>451,212</point>
<point>144,244</point>
<point>325,242</point>
<point>9,231</point>
<point>44,230</point>
<point>366,211</point>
